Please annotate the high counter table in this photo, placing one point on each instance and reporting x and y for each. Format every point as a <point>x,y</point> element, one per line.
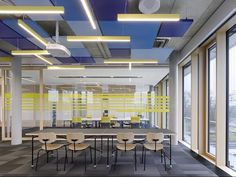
<point>99,132</point>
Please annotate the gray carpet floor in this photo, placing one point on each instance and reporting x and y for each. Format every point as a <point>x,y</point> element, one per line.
<point>16,161</point>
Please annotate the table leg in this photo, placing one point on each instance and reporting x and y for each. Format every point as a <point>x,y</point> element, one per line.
<point>170,153</point>
<point>32,152</point>
<point>95,155</point>
<point>108,152</point>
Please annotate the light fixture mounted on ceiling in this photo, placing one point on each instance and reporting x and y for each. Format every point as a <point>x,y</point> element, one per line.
<point>88,13</point>
<point>65,67</point>
<point>133,61</point>
<point>98,38</point>
<point>29,52</point>
<point>33,33</point>
<point>31,10</point>
<point>43,59</point>
<point>148,17</point>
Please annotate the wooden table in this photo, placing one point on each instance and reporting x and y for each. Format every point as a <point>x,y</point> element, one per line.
<point>99,132</point>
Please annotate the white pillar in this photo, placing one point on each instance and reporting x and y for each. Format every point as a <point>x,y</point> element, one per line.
<point>16,122</point>
<point>173,98</point>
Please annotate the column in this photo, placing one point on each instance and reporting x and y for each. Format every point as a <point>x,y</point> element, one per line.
<point>173,80</point>
<point>16,122</point>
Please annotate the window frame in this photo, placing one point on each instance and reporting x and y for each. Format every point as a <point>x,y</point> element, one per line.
<point>211,46</point>
<point>188,64</point>
<point>228,34</point>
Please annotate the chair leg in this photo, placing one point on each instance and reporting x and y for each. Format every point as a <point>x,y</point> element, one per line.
<point>57,159</point>
<point>161,156</point>
<point>116,157</point>
<point>135,160</point>
<point>36,165</point>
<point>72,156</point>
<point>66,159</point>
<point>85,164</point>
<point>91,156</point>
<point>142,154</point>
<point>144,164</point>
<point>165,159</point>
<point>47,156</point>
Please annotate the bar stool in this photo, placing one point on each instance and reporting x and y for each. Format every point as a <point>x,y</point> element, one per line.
<point>76,143</point>
<point>125,143</point>
<point>153,143</point>
<point>47,139</point>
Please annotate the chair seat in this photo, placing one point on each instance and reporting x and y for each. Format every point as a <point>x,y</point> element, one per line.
<point>78,147</point>
<point>129,147</point>
<point>51,147</point>
<point>151,146</point>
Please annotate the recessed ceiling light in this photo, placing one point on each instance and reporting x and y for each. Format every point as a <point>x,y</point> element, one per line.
<point>98,38</point>
<point>148,17</point>
<point>31,10</point>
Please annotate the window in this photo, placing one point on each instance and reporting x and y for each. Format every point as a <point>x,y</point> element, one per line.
<point>212,100</point>
<point>231,98</point>
<point>187,103</point>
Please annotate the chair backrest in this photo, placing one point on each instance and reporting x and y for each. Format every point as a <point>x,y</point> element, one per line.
<point>79,137</point>
<point>151,136</point>
<point>135,119</point>
<point>76,119</point>
<point>105,120</point>
<point>122,136</point>
<point>49,137</point>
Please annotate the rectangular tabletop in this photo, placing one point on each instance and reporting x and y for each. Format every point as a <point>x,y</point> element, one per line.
<point>101,132</point>
<point>112,119</point>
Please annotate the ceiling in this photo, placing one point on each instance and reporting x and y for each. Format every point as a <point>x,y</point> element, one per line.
<point>74,22</point>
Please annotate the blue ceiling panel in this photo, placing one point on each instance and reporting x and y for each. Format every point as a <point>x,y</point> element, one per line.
<point>79,52</point>
<point>108,9</point>
<point>36,17</point>
<point>118,45</point>
<point>142,34</point>
<point>83,28</point>
<point>73,9</point>
<point>3,53</point>
<point>9,35</point>
<point>161,54</point>
<point>85,60</point>
<point>22,43</point>
<point>67,60</point>
<point>120,53</point>
<point>174,29</point>
<point>6,32</point>
<point>12,23</point>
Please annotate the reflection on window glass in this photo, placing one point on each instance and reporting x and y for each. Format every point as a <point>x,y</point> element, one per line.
<point>212,100</point>
<point>231,99</point>
<point>187,103</point>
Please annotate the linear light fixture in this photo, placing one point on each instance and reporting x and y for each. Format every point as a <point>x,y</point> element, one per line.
<point>43,59</point>
<point>31,10</point>
<point>29,80</point>
<point>30,52</point>
<point>98,38</point>
<point>32,32</point>
<point>148,17</point>
<point>88,12</point>
<point>128,61</point>
<point>65,67</point>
